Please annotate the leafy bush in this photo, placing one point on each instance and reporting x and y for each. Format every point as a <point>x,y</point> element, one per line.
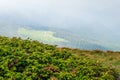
<point>32,60</point>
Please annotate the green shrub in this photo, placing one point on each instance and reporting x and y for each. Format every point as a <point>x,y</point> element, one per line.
<point>32,60</point>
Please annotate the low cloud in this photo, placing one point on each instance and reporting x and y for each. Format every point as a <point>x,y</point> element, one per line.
<point>63,13</point>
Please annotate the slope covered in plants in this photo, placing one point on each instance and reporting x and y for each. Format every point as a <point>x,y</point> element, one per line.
<point>32,60</point>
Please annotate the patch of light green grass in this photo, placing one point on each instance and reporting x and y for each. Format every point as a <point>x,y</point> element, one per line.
<point>44,36</point>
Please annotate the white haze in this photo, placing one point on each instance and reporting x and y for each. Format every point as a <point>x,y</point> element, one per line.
<point>98,19</point>
<point>64,13</point>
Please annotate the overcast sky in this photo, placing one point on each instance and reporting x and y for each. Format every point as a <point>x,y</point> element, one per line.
<point>63,13</point>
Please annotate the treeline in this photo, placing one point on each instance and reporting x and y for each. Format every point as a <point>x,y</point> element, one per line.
<point>32,60</point>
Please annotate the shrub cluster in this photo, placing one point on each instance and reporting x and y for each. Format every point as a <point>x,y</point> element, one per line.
<point>32,60</point>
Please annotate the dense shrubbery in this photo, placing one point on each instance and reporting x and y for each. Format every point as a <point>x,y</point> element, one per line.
<point>32,60</point>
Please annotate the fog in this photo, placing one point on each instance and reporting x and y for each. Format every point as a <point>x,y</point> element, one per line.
<point>98,19</point>
<point>63,13</point>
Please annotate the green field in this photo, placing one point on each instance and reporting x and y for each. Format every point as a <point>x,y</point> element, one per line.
<point>44,36</point>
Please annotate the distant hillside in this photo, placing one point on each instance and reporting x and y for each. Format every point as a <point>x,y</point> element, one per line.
<point>32,60</point>
<point>56,36</point>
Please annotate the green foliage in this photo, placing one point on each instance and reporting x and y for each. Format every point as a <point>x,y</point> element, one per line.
<point>32,60</point>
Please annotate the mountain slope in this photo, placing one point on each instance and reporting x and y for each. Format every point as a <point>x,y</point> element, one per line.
<point>32,60</point>
<point>57,36</point>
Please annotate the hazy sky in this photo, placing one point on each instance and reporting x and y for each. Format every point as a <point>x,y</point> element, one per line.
<point>63,13</point>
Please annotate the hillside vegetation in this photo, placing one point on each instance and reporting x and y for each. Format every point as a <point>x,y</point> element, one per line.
<point>32,60</point>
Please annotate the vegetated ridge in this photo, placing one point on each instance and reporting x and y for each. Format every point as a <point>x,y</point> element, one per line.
<point>57,36</point>
<point>32,60</point>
